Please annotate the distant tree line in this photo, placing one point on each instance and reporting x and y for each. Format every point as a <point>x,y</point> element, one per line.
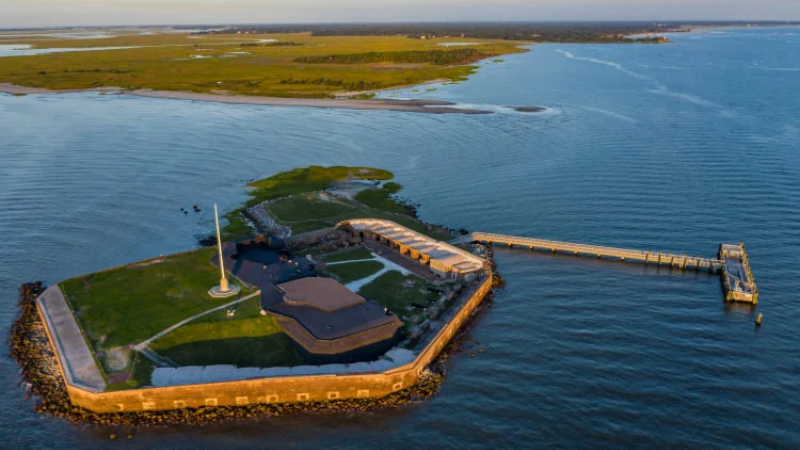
<point>567,32</point>
<point>359,85</point>
<point>437,57</point>
<point>271,44</point>
<point>537,32</point>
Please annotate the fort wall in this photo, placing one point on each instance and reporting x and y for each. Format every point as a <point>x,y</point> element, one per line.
<point>289,389</point>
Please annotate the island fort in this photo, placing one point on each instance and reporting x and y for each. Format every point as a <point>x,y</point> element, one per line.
<point>323,287</point>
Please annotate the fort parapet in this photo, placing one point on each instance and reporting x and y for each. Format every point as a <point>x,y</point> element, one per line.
<point>309,387</point>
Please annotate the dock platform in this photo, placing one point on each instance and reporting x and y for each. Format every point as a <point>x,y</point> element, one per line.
<point>737,278</point>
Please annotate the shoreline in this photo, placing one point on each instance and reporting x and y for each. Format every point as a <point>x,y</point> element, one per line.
<point>347,95</point>
<point>418,106</point>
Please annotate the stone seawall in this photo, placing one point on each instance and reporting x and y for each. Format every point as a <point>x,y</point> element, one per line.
<point>293,389</point>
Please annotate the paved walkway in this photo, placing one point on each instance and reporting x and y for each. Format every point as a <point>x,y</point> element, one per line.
<point>387,267</point>
<point>144,344</point>
<point>76,358</point>
<point>348,262</point>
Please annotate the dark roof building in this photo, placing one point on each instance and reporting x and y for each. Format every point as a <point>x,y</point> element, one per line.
<point>262,266</point>
<point>331,324</point>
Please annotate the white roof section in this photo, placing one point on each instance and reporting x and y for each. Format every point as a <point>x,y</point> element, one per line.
<point>446,255</point>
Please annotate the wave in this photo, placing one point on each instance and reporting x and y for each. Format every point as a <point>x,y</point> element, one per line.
<point>610,114</point>
<point>611,64</point>
<point>660,88</point>
<point>663,90</point>
<point>776,69</point>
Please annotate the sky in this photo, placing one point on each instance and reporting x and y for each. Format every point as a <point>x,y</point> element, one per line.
<point>51,13</point>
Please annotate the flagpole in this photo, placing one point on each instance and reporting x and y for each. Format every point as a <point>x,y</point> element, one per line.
<point>223,282</point>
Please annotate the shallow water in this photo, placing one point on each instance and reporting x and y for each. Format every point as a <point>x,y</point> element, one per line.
<point>25,50</point>
<point>675,147</point>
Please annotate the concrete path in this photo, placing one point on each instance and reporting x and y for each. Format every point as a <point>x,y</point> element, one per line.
<point>146,343</point>
<point>387,267</point>
<point>76,357</point>
<point>348,262</point>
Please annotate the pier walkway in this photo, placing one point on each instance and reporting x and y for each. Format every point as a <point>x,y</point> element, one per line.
<point>731,262</point>
<point>682,261</point>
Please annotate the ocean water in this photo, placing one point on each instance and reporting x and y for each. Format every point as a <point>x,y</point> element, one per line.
<point>675,147</point>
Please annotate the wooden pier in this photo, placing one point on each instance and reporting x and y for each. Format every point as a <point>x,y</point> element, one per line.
<point>731,263</point>
<point>659,258</point>
<point>737,278</point>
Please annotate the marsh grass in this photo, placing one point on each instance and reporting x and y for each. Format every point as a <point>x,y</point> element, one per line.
<point>165,62</point>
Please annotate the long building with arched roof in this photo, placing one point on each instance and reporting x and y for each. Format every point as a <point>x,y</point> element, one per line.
<point>443,259</point>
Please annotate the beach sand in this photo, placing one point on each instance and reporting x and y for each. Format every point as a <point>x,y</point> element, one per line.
<point>419,106</point>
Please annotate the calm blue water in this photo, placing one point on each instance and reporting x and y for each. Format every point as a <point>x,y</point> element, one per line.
<point>675,147</point>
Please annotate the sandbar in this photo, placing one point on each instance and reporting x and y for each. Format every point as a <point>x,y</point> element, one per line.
<point>419,106</point>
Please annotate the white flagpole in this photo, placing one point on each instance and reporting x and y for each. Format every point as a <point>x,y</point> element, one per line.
<point>223,283</point>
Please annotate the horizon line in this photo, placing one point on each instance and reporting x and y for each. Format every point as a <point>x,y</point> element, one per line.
<point>433,22</point>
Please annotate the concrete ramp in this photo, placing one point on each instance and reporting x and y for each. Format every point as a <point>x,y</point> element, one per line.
<point>77,360</point>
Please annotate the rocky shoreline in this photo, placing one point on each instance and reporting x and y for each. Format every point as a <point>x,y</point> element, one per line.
<point>265,223</point>
<point>41,377</point>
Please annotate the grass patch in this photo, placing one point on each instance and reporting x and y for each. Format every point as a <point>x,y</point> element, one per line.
<point>350,255</point>
<point>435,57</point>
<point>382,199</point>
<point>350,272</point>
<point>301,207</point>
<point>396,291</point>
<point>392,187</point>
<point>237,226</point>
<point>130,304</point>
<point>246,340</point>
<point>306,213</point>
<point>140,376</point>
<point>294,182</point>
<point>309,179</point>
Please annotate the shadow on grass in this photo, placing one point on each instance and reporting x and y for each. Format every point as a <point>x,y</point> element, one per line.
<point>274,350</point>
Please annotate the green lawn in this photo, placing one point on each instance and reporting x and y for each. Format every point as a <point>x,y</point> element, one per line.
<point>246,340</point>
<point>307,212</point>
<point>350,255</point>
<point>303,180</point>
<point>130,304</point>
<point>348,272</point>
<point>397,292</point>
<point>381,199</point>
<point>309,179</point>
<point>300,207</point>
